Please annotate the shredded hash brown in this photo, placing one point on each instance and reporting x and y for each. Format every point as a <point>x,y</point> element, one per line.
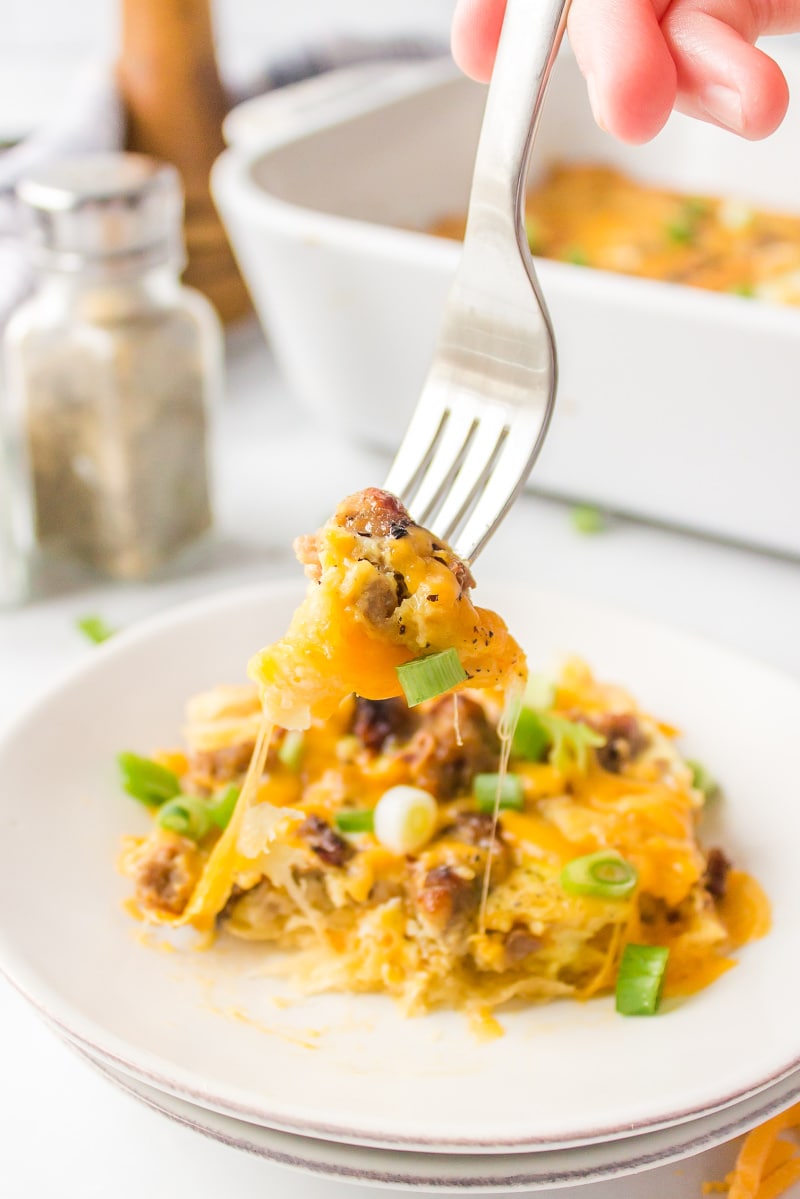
<point>358,917</point>
<point>478,912</point>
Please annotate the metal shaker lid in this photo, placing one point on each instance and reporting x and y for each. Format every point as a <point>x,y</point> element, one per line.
<point>103,207</point>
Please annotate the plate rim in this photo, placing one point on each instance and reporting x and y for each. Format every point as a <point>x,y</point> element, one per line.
<point>179,1081</point>
<point>484,1183</point>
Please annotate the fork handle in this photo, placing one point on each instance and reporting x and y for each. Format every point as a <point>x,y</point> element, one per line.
<point>529,41</point>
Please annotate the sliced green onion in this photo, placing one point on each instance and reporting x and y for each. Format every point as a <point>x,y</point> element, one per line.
<point>577,256</point>
<point>540,691</point>
<point>697,206</point>
<point>587,520</point>
<point>186,815</point>
<point>432,675</point>
<point>640,979</point>
<point>566,743</point>
<point>532,738</point>
<point>745,290</point>
<point>146,780</point>
<point>221,808</point>
<point>605,874</point>
<point>485,789</point>
<point>355,820</point>
<point>681,232</point>
<point>571,742</point>
<point>703,779</point>
<point>405,818</point>
<point>95,628</point>
<point>684,229</point>
<point>290,751</point>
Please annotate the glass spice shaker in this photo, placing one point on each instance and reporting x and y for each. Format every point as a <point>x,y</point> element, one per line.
<point>113,365</point>
<point>16,512</point>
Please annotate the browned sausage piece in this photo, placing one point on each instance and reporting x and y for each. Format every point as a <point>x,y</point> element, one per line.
<point>166,873</point>
<point>373,513</point>
<point>376,721</point>
<point>444,756</point>
<point>519,944</point>
<point>445,896</point>
<point>625,739</point>
<point>332,849</point>
<point>715,879</point>
<point>224,763</point>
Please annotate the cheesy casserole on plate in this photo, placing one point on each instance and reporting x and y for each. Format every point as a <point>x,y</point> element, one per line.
<point>482,845</point>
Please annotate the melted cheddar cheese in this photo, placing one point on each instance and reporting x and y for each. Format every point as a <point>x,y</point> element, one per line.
<point>350,914</point>
<point>479,913</point>
<point>383,591</point>
<point>595,216</point>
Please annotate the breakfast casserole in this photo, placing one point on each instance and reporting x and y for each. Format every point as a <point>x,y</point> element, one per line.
<point>593,215</point>
<point>394,803</point>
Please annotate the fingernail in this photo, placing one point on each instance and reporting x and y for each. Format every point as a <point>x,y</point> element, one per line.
<point>594,100</point>
<point>723,105</point>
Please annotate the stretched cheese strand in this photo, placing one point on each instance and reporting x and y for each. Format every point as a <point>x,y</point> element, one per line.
<point>456,721</point>
<point>506,727</point>
<point>212,891</point>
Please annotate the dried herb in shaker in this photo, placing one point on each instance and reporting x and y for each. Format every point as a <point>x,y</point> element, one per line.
<point>114,365</point>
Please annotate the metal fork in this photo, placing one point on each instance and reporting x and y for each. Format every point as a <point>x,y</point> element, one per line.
<point>486,403</point>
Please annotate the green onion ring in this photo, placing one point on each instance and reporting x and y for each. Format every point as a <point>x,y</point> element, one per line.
<point>606,875</point>
<point>187,816</point>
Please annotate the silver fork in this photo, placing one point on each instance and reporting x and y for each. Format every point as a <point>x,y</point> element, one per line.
<point>486,403</point>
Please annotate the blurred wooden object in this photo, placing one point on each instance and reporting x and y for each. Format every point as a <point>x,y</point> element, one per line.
<point>175,105</point>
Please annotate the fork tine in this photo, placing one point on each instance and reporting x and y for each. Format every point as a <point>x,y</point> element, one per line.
<point>487,401</point>
<point>471,478</point>
<point>416,449</point>
<point>508,473</point>
<point>458,430</point>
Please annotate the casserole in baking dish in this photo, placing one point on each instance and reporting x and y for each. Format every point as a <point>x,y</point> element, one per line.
<point>674,404</point>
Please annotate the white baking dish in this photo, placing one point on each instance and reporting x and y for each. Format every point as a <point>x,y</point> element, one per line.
<point>674,404</point>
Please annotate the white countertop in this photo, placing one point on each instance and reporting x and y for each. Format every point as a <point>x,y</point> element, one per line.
<point>65,1131</point>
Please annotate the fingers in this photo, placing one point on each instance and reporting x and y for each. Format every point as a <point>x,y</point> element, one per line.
<point>722,77</point>
<point>620,49</point>
<point>630,74</point>
<point>642,57</point>
<point>475,34</point>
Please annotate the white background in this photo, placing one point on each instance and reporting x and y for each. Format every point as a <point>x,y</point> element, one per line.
<point>43,42</point>
<point>63,1131</point>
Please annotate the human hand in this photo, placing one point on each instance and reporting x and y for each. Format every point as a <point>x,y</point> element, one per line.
<point>642,58</point>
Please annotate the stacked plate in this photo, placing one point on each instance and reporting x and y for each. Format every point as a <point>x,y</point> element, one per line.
<point>344,1085</point>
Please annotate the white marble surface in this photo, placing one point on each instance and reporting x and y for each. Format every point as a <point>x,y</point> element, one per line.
<point>66,1132</point>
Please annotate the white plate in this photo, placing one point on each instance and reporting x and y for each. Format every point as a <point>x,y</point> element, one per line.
<point>205,1026</point>
<point>613,1169</point>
